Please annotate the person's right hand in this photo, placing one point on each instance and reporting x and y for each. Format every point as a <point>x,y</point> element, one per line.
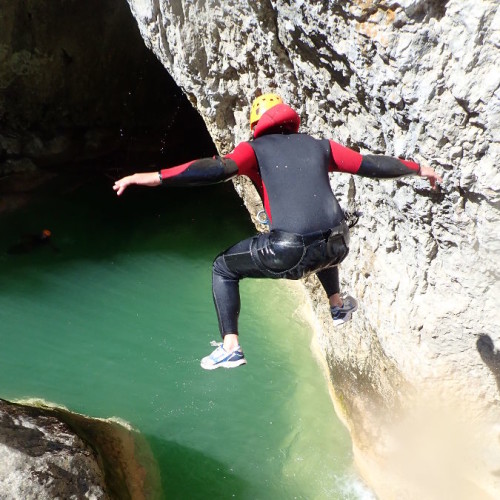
<point>432,176</point>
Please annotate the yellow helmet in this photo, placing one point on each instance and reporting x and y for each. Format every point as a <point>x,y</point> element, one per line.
<point>260,105</point>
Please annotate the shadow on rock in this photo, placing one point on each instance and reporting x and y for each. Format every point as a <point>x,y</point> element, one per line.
<point>489,355</point>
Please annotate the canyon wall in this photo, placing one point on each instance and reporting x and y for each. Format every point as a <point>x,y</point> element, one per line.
<point>418,79</point>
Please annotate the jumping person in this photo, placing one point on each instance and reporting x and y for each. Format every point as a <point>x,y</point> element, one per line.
<point>308,232</point>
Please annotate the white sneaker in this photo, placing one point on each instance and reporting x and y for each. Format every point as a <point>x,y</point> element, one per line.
<point>222,358</point>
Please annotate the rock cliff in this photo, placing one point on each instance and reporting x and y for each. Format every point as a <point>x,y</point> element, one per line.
<point>418,79</point>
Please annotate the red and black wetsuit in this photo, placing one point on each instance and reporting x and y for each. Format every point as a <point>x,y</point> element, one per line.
<point>308,233</point>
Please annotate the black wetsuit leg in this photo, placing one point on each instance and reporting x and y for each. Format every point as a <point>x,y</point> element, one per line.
<point>329,278</point>
<point>277,254</point>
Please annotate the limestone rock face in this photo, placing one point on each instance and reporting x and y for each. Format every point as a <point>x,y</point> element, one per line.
<point>418,79</point>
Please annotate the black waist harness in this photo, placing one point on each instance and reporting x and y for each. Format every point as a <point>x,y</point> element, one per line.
<point>341,229</point>
<point>280,254</point>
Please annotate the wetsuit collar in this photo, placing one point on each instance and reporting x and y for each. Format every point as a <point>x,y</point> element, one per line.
<point>279,119</point>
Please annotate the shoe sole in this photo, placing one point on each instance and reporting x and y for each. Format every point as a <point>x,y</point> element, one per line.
<point>225,364</point>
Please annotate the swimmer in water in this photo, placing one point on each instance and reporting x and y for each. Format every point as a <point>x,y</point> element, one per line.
<point>30,242</point>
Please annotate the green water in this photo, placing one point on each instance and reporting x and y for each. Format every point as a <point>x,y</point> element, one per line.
<point>115,321</point>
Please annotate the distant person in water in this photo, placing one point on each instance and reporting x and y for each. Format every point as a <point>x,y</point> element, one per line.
<point>308,231</point>
<point>30,242</point>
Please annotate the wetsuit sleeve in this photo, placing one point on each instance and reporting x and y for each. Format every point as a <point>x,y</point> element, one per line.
<point>200,172</point>
<point>346,160</point>
<point>241,161</point>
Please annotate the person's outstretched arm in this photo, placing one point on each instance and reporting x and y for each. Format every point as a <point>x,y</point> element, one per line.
<point>344,159</point>
<point>193,173</point>
<point>205,171</point>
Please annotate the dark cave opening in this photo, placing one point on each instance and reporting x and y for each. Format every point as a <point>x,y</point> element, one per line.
<point>82,96</point>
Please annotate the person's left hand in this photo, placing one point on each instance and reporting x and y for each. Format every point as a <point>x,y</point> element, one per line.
<point>123,183</point>
<point>141,179</point>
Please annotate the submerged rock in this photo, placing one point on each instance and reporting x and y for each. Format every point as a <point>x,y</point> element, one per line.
<point>49,452</point>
